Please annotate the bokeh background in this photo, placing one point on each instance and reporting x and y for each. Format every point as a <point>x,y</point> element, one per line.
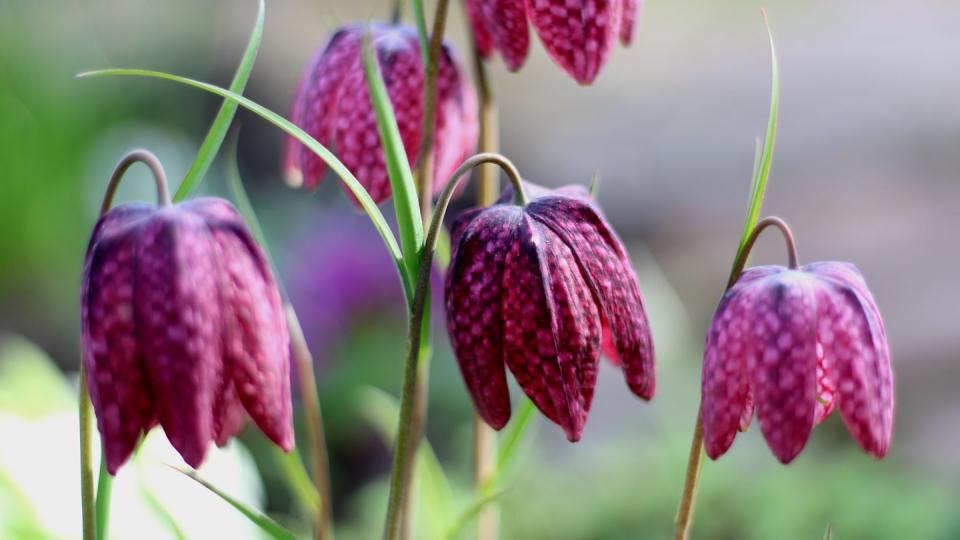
<point>866,169</point>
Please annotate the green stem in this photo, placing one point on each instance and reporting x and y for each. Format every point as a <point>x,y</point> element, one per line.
<point>87,502</point>
<point>695,462</point>
<point>104,491</point>
<point>424,157</point>
<point>407,434</point>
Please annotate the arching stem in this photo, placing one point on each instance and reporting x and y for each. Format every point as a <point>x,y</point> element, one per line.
<point>695,462</point>
<point>407,433</point>
<point>89,500</point>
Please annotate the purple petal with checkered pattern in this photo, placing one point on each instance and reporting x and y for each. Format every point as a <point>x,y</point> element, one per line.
<point>501,25</point>
<point>578,34</point>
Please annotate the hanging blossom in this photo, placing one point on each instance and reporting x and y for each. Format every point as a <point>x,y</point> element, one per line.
<point>543,288</point>
<point>578,34</point>
<point>182,325</point>
<point>333,105</point>
<point>792,344</point>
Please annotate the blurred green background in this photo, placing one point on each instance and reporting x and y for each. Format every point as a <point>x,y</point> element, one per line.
<point>866,170</point>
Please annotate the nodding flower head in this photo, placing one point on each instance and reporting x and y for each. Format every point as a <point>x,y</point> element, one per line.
<point>578,34</point>
<point>182,325</point>
<point>333,105</point>
<point>542,288</point>
<point>792,344</point>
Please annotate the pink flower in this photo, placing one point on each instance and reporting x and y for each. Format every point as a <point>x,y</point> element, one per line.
<point>332,105</point>
<point>539,288</point>
<point>793,344</point>
<point>578,34</point>
<point>182,325</point>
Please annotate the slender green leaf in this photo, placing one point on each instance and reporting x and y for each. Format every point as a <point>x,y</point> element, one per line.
<point>218,129</point>
<point>515,433</point>
<point>268,525</point>
<point>297,478</point>
<point>104,490</point>
<point>335,164</point>
<point>421,20</point>
<point>471,512</point>
<point>242,201</point>
<point>762,166</point>
<point>405,201</point>
<point>161,513</point>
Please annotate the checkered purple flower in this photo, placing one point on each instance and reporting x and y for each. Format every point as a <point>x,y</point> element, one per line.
<point>332,104</point>
<point>182,325</point>
<point>539,289</point>
<point>792,345</point>
<point>578,34</point>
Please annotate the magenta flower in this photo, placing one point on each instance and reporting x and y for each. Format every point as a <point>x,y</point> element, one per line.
<point>539,288</point>
<point>182,324</point>
<point>332,105</point>
<point>794,344</point>
<point>578,34</point>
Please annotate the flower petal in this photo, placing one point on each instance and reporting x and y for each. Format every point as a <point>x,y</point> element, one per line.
<point>177,308</point>
<point>256,342</point>
<point>784,364</point>
<point>356,139</point>
<point>314,104</point>
<point>506,23</point>
<point>604,261</point>
<point>474,295</point>
<point>631,10</point>
<point>478,25</point>
<point>855,343</point>
<point>726,404</point>
<point>536,352</point>
<point>578,34</point>
<point>115,374</point>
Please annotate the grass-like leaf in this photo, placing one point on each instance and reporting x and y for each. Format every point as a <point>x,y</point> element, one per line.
<point>512,437</point>
<point>268,525</point>
<point>405,201</point>
<point>758,187</point>
<point>221,123</point>
<point>104,491</point>
<point>298,479</point>
<point>470,513</point>
<point>290,128</point>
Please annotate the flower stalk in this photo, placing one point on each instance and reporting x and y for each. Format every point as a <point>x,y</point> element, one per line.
<point>695,463</point>
<point>407,434</point>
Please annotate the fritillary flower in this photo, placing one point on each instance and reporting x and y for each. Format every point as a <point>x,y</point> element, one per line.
<point>792,344</point>
<point>182,325</point>
<point>541,288</point>
<point>332,104</point>
<point>578,34</point>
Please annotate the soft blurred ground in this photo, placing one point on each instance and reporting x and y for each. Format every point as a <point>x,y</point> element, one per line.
<point>867,169</point>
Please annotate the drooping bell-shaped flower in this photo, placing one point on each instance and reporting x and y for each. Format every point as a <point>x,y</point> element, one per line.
<point>182,325</point>
<point>578,34</point>
<point>793,344</point>
<point>540,288</point>
<point>333,105</point>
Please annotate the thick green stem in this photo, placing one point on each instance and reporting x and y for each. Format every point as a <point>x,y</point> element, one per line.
<point>695,463</point>
<point>408,434</point>
<point>319,459</point>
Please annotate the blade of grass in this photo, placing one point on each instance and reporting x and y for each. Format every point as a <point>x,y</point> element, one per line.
<point>471,512</point>
<point>762,168</point>
<point>221,123</point>
<point>266,524</point>
<point>331,160</point>
<point>161,513</point>
<point>510,441</point>
<point>297,478</point>
<point>405,201</point>
<point>104,490</point>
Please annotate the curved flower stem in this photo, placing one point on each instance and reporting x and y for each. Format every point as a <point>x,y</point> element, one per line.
<point>695,462</point>
<point>91,504</point>
<point>424,156</point>
<point>319,460</point>
<point>484,437</point>
<point>408,436</point>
